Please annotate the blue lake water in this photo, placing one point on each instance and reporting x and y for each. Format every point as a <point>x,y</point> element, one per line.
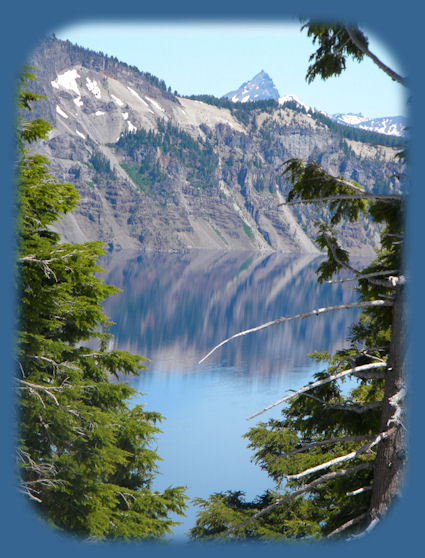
<point>174,308</point>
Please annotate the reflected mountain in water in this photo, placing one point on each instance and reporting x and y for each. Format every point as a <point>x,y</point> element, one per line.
<point>176,306</point>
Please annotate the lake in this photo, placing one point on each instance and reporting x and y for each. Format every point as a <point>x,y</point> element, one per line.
<point>174,308</point>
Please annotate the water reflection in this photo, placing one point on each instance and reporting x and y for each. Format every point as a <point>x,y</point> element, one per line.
<point>175,307</point>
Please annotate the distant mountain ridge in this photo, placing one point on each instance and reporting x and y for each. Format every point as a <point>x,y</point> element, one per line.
<point>391,125</point>
<point>261,87</point>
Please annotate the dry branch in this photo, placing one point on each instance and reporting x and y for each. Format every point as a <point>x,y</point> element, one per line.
<point>388,273</point>
<point>393,75</point>
<point>359,491</point>
<point>326,199</point>
<point>342,458</point>
<point>312,385</point>
<point>356,272</point>
<point>365,304</point>
<point>353,521</point>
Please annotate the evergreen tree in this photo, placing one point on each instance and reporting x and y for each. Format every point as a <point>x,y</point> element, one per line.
<point>85,454</point>
<point>335,455</point>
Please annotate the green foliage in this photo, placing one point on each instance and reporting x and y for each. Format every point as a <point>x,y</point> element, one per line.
<point>85,455</point>
<point>155,155</point>
<point>310,181</point>
<point>221,511</point>
<point>102,165</point>
<point>334,47</point>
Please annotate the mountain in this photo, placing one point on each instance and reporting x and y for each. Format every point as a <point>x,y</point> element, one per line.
<point>392,125</point>
<point>259,88</point>
<point>156,171</point>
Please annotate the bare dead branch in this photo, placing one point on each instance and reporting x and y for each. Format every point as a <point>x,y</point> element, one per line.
<point>45,389</point>
<point>391,73</point>
<point>365,304</point>
<point>368,529</point>
<point>347,457</point>
<point>364,276</point>
<point>359,491</point>
<point>350,523</point>
<point>312,385</point>
<point>327,199</point>
<point>356,272</point>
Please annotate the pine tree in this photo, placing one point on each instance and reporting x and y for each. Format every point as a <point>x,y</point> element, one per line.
<point>84,452</point>
<point>336,455</point>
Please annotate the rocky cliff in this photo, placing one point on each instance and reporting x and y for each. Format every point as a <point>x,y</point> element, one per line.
<point>158,171</point>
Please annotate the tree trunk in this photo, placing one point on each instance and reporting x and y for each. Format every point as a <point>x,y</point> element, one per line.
<point>388,469</point>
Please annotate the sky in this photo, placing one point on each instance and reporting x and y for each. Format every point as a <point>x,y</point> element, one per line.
<point>217,57</point>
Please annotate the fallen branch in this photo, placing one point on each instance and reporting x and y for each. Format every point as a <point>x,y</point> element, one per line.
<point>365,304</point>
<point>312,385</point>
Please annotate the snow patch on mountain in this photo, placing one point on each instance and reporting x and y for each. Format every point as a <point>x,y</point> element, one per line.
<point>390,125</point>
<point>293,99</point>
<point>61,112</point>
<point>67,80</point>
<point>155,104</point>
<point>118,101</point>
<point>93,87</point>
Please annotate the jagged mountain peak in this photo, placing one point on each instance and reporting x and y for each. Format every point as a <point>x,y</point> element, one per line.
<point>259,88</point>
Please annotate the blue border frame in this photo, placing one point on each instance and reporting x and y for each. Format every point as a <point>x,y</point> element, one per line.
<point>24,24</point>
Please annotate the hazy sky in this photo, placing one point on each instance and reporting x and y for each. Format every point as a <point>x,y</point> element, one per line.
<point>214,58</point>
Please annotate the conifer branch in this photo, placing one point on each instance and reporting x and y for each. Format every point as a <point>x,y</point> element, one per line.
<point>353,406</point>
<point>298,492</point>
<point>356,272</point>
<point>347,457</point>
<point>313,385</point>
<point>327,442</point>
<point>360,304</point>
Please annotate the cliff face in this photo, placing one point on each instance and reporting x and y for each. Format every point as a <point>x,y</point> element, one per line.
<point>161,172</point>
